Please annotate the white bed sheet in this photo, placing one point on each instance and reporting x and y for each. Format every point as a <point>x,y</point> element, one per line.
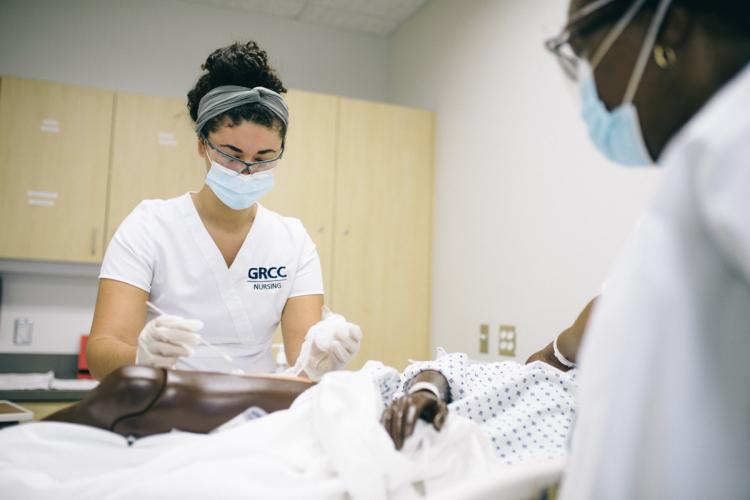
<point>330,444</point>
<point>523,481</point>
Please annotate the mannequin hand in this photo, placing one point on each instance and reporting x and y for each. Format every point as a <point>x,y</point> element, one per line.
<point>402,414</point>
<point>165,339</point>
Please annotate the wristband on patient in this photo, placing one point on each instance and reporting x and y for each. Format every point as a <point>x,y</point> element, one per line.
<point>425,386</point>
<point>558,355</point>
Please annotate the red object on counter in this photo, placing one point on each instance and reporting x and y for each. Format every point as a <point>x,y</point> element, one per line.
<point>83,367</point>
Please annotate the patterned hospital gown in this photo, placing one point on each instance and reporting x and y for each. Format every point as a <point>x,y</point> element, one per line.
<point>526,410</point>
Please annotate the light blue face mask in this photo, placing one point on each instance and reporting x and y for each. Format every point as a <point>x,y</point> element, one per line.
<point>235,190</point>
<point>617,134</point>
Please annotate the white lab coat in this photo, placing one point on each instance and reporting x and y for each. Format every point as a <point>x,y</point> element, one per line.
<point>664,402</point>
<point>163,248</point>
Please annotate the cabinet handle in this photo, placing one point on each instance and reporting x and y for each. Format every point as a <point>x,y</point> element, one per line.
<point>93,241</point>
<point>346,232</point>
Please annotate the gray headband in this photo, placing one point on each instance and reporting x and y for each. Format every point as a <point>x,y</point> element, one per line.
<point>222,99</point>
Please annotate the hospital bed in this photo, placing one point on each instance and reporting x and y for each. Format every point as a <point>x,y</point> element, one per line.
<point>328,444</point>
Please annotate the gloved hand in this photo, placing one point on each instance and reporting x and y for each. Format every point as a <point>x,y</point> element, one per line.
<point>165,338</point>
<point>329,345</point>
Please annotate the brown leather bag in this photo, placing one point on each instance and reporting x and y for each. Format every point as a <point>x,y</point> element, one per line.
<point>141,400</point>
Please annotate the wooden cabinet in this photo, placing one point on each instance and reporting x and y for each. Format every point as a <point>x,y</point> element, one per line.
<point>383,228</point>
<point>359,176</point>
<point>154,154</point>
<point>305,179</point>
<point>54,159</point>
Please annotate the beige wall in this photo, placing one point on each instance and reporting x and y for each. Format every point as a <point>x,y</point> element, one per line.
<point>156,47</point>
<point>528,216</point>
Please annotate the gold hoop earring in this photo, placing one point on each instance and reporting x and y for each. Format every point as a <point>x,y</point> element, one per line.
<point>664,56</point>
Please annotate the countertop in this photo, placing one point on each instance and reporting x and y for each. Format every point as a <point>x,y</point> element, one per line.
<point>64,366</point>
<point>42,395</point>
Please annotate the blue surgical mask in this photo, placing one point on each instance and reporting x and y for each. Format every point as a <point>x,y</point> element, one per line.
<point>617,133</point>
<point>235,190</point>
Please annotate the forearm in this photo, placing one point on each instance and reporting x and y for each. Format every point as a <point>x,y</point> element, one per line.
<point>299,314</point>
<point>106,354</point>
<point>435,378</point>
<point>569,341</point>
<point>292,348</point>
<point>119,316</point>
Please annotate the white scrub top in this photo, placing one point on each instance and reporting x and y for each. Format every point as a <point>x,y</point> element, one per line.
<point>664,401</point>
<point>163,248</point>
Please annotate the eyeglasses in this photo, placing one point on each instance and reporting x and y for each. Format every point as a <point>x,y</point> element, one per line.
<point>563,52</point>
<point>560,46</point>
<point>241,166</point>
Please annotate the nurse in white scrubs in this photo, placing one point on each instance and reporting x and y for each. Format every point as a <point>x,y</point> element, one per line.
<point>664,403</point>
<point>216,263</point>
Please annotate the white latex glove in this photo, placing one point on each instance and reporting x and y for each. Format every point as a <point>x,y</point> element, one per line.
<point>165,339</point>
<point>329,345</point>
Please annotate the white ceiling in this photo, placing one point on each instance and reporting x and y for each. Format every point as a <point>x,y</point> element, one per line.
<point>374,17</point>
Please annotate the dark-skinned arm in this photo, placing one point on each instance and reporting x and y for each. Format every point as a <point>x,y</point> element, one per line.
<point>568,342</point>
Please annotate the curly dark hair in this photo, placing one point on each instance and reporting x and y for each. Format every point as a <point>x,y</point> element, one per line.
<point>244,64</point>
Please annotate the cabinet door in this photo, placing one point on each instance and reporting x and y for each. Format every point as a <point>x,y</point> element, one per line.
<point>154,154</point>
<point>305,178</point>
<point>54,158</point>
<point>382,241</point>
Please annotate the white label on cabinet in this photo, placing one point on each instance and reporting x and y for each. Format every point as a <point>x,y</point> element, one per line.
<point>42,194</point>
<point>41,203</point>
<point>41,198</point>
<point>50,125</point>
<point>167,139</point>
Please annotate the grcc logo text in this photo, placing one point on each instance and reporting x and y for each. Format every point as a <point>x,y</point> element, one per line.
<point>266,273</point>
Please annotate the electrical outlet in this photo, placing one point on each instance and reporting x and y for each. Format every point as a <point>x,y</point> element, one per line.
<point>22,330</point>
<point>484,338</point>
<point>506,346</point>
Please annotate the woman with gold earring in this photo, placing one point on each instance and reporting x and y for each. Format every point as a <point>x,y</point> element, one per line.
<point>663,398</point>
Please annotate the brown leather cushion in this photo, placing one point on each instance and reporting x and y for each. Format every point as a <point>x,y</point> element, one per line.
<point>141,401</point>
